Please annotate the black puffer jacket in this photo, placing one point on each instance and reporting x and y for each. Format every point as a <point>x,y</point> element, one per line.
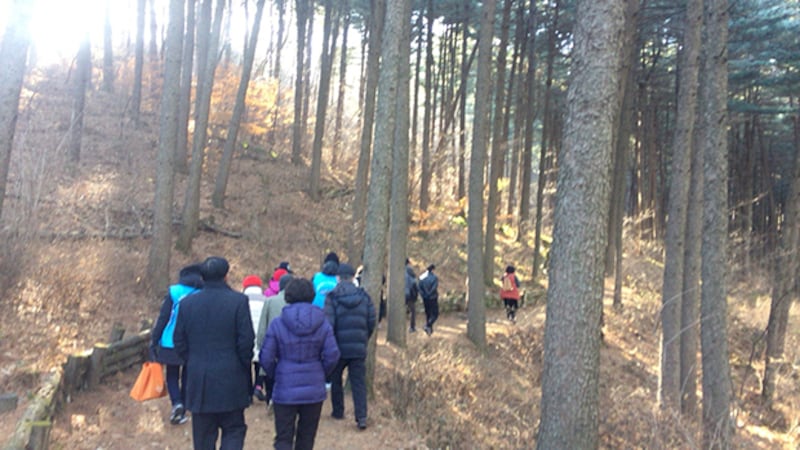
<point>352,315</point>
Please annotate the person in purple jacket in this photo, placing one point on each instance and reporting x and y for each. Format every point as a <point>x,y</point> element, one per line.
<point>298,352</point>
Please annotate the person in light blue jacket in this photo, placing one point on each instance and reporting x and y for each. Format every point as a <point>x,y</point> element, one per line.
<point>162,346</point>
<point>325,280</point>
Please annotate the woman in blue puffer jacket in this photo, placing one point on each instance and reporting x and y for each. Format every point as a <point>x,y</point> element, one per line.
<point>298,352</point>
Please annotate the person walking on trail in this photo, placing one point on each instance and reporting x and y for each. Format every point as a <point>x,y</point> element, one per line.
<point>509,293</point>
<point>429,291</point>
<point>251,287</point>
<point>162,346</point>
<point>273,286</point>
<point>350,311</point>
<point>325,279</point>
<point>412,292</point>
<point>299,350</point>
<point>272,310</point>
<point>214,335</point>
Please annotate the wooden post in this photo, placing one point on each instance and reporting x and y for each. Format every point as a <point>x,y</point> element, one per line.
<point>117,331</point>
<point>96,364</point>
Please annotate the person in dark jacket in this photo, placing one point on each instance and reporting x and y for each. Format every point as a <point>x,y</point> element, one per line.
<point>214,335</point>
<point>429,291</point>
<point>298,352</point>
<point>412,292</point>
<point>162,346</point>
<point>349,309</point>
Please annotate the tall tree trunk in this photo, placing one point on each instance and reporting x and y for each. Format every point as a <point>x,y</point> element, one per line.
<point>717,427</point>
<point>427,120</point>
<point>14,54</point>
<point>330,34</point>
<point>499,143</point>
<point>136,96</point>
<point>462,114</point>
<point>298,132</point>
<point>279,40</point>
<point>399,204</point>
<point>355,245</point>
<point>223,170</point>
<point>153,50</point>
<point>476,325</point>
<point>783,288</point>
<point>379,186</point>
<point>185,100</point>
<point>307,76</point>
<point>337,133</point>
<point>530,112</point>
<point>519,117</point>
<point>191,205</point>
<point>161,245</point>
<point>670,390</point>
<point>415,106</point>
<point>570,378</point>
<point>108,51</point>
<point>83,75</point>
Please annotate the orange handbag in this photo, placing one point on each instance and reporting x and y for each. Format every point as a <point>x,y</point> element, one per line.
<point>150,383</point>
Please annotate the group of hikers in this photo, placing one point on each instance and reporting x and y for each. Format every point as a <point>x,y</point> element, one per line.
<point>286,342</point>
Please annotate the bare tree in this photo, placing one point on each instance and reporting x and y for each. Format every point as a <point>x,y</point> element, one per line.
<point>108,52</point>
<point>185,100</point>
<point>80,84</point>
<point>571,373</point>
<point>161,246</point>
<point>223,170</point>
<point>136,97</point>
<point>304,11</point>
<point>14,54</point>
<point>476,325</point>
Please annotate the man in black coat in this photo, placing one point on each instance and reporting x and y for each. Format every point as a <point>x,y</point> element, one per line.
<point>349,309</point>
<point>214,335</point>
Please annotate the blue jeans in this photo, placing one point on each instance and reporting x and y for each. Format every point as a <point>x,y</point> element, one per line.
<point>176,383</point>
<point>357,371</point>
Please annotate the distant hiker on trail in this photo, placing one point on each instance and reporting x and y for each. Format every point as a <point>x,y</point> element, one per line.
<point>509,293</point>
<point>325,280</point>
<point>412,292</point>
<point>214,335</point>
<point>429,291</point>
<point>299,351</point>
<point>352,315</point>
<point>273,288</point>
<point>251,286</point>
<point>162,346</point>
<point>272,310</point>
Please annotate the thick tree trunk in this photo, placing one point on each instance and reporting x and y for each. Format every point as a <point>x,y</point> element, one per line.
<point>83,75</point>
<point>191,205</point>
<point>476,289</point>
<point>670,383</point>
<point>355,245</point>
<point>330,34</point>
<point>377,228</point>
<point>161,245</point>
<point>223,170</point>
<point>185,100</point>
<point>14,54</point>
<point>717,396</point>
<point>298,132</point>
<point>570,378</point>
<point>398,211</point>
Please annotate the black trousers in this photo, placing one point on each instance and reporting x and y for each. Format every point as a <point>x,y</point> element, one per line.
<point>206,427</point>
<point>411,307</point>
<point>357,372</point>
<point>431,310</point>
<point>296,425</point>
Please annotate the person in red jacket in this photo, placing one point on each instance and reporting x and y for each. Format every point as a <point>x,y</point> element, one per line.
<point>509,293</point>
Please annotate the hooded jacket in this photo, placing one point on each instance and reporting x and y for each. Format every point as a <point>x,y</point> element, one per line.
<point>324,281</point>
<point>352,315</point>
<point>162,345</point>
<point>298,352</point>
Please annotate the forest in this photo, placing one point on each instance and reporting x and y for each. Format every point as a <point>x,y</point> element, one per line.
<point>636,160</point>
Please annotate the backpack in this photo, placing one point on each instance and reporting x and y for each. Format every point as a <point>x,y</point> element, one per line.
<point>508,282</point>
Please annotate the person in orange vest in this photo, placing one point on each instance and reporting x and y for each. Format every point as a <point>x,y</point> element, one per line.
<point>509,293</point>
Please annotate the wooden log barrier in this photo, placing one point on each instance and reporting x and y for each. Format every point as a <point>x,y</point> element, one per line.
<point>33,429</point>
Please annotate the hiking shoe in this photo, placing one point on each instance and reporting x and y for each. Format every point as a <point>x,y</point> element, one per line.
<point>178,414</point>
<point>337,416</point>
<point>258,391</point>
<point>428,330</point>
<point>362,423</point>
<point>412,330</point>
